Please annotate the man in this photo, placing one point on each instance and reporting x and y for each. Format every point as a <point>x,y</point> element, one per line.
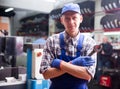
<point>104,57</point>
<point>65,61</point>
<point>41,40</point>
<point>106,53</point>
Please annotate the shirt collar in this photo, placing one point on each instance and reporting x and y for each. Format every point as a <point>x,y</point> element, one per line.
<point>74,40</point>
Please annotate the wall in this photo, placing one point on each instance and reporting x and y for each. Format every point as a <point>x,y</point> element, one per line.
<point>5,24</point>
<point>36,5</point>
<point>98,32</point>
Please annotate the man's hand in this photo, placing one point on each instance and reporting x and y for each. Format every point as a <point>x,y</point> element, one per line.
<point>83,61</point>
<point>56,63</point>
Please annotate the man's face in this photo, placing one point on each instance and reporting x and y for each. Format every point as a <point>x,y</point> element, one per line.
<point>71,21</point>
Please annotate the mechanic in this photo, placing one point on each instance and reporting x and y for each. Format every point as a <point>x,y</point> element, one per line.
<point>65,61</point>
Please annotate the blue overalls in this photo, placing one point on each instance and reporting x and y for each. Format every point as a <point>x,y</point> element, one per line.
<point>67,81</point>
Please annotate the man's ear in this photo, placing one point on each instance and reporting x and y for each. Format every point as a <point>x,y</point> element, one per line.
<point>61,20</point>
<point>81,18</point>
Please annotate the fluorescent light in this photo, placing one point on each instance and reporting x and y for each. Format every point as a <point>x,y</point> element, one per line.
<point>50,0</point>
<point>111,33</point>
<point>88,34</point>
<point>9,9</point>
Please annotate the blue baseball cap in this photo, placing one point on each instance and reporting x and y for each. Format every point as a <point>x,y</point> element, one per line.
<point>71,7</point>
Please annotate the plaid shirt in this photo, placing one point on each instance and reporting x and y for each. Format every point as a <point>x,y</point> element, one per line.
<point>52,49</point>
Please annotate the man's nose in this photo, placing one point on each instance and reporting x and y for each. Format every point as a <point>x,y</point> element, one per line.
<point>71,21</point>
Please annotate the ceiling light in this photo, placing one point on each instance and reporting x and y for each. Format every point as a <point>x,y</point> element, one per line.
<point>50,0</point>
<point>9,9</point>
<point>111,33</point>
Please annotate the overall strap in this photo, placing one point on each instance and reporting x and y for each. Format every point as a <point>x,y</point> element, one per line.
<point>62,40</point>
<point>62,45</point>
<point>80,44</point>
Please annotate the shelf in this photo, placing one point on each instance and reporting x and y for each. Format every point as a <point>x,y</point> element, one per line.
<point>112,30</point>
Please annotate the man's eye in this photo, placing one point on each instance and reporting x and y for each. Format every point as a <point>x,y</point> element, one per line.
<point>67,18</point>
<point>75,18</point>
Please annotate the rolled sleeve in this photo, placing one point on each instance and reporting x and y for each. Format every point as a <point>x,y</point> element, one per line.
<point>48,56</point>
<point>44,66</point>
<point>92,69</point>
<point>45,62</point>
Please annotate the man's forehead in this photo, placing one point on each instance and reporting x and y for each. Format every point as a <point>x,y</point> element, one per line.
<point>70,13</point>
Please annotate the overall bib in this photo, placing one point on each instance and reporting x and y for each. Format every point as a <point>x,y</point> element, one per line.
<point>67,81</point>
